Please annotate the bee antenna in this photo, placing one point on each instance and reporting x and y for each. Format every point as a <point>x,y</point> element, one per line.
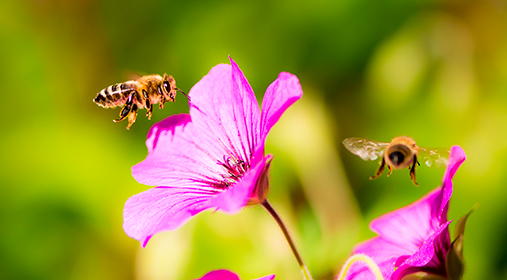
<point>186,95</point>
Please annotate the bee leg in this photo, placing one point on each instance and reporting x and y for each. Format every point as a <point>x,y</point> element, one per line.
<point>390,170</point>
<point>379,170</point>
<point>124,113</point>
<point>149,108</point>
<point>132,116</point>
<point>412,171</point>
<point>126,109</point>
<point>162,101</point>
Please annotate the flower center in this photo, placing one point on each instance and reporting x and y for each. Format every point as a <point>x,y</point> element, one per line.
<point>234,170</point>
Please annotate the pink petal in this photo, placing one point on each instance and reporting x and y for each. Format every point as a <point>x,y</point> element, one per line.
<point>166,128</point>
<point>220,275</point>
<point>456,158</point>
<point>228,275</point>
<point>179,160</point>
<point>442,244</point>
<point>383,253</point>
<point>359,271</point>
<point>179,156</point>
<point>267,277</point>
<point>284,91</point>
<point>380,249</point>
<point>225,111</point>
<point>236,196</point>
<point>160,209</point>
<point>423,255</point>
<point>410,225</point>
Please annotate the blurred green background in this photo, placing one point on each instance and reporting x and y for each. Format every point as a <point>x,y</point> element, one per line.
<point>433,70</point>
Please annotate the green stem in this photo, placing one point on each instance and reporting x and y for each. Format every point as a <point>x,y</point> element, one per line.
<point>361,258</point>
<point>302,266</point>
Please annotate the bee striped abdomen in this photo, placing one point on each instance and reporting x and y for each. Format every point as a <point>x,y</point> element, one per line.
<point>115,95</point>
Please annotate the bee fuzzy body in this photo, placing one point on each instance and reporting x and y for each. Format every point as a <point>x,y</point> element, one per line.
<point>401,152</point>
<point>138,94</point>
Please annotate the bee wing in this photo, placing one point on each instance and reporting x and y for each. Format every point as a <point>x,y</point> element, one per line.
<point>131,75</point>
<point>434,156</point>
<point>364,148</point>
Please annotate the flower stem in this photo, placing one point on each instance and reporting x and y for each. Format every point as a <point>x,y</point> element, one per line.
<point>360,258</point>
<point>302,266</point>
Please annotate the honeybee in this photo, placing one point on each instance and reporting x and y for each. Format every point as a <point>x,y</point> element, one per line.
<point>401,153</point>
<point>138,94</point>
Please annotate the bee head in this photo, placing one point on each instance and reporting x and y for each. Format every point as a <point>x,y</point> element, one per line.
<point>399,156</point>
<point>169,87</point>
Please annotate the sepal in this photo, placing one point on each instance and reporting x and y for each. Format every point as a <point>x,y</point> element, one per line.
<point>454,259</point>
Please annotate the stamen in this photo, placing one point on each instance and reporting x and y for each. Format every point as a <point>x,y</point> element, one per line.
<point>234,170</point>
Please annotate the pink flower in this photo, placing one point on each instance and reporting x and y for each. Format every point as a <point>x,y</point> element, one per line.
<point>414,238</point>
<point>228,275</point>
<point>212,158</point>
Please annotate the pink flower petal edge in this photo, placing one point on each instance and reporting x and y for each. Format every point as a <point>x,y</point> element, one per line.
<point>456,159</point>
<point>280,95</point>
<point>228,275</point>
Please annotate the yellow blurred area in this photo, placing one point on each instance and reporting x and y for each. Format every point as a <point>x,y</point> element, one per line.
<point>433,70</point>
